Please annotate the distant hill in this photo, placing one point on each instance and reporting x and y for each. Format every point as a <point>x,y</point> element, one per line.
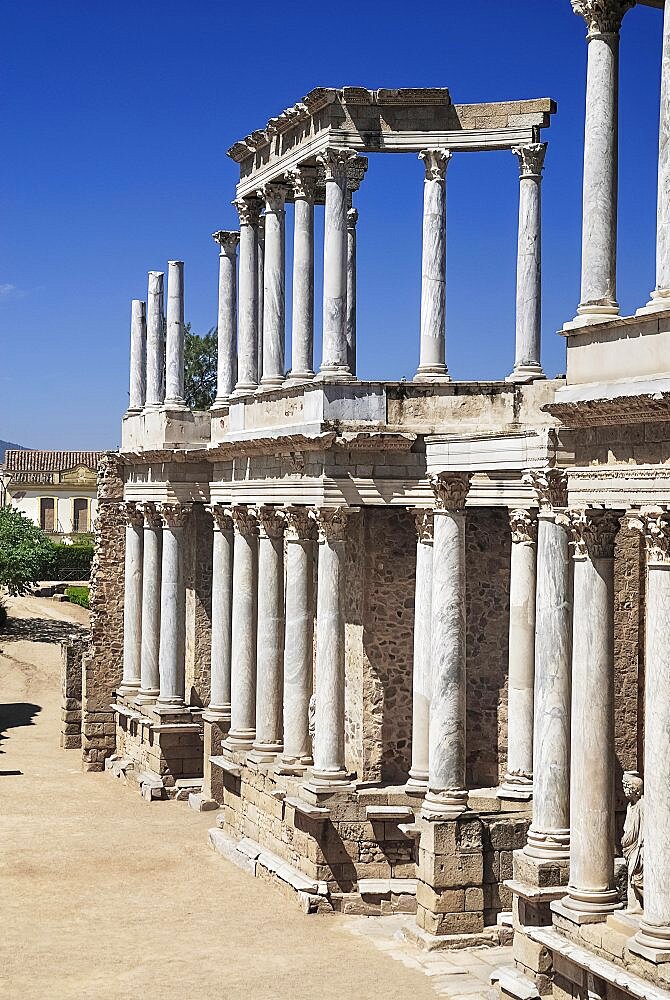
<point>9,445</point>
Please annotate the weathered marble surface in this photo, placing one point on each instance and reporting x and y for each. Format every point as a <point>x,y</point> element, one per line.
<point>527,363</point>
<point>226,370</point>
<point>243,668</point>
<point>171,654</point>
<point>151,605</point>
<point>155,353</point>
<point>302,336</point>
<point>421,675</point>
<point>334,362</point>
<point>132,602</point>
<point>260,285</point>
<point>138,356</point>
<point>432,363</point>
<point>222,613</point>
<point>274,293</point>
<point>247,341</point>
<point>352,221</point>
<point>270,641</point>
<point>174,340</point>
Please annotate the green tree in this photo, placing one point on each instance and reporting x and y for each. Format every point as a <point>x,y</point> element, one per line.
<point>200,369</point>
<point>25,552</point>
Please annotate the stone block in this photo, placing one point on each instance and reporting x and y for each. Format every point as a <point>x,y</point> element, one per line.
<point>455,871</point>
<point>531,954</point>
<point>449,923</point>
<point>447,901</point>
<point>474,899</point>
<point>508,834</point>
<point>538,872</point>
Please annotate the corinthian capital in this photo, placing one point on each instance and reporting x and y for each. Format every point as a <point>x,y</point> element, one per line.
<point>227,240</point>
<point>335,162</point>
<point>244,519</point>
<point>331,522</point>
<point>435,162</point>
<point>654,526</point>
<point>248,209</point>
<point>274,196</point>
<point>551,488</point>
<point>450,489</point>
<point>270,522</point>
<point>523,526</point>
<point>531,158</point>
<point>220,512</point>
<point>594,533</point>
<point>152,518</point>
<point>303,182</point>
<point>174,515</point>
<point>134,513</point>
<point>299,524</point>
<point>603,17</point>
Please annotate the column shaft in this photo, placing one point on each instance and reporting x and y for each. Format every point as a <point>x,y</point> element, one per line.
<point>247,343</point>
<point>421,674</point>
<point>155,352</point>
<point>245,597</point>
<point>274,292</point>
<point>171,656</point>
<point>174,341</point>
<point>138,357</point>
<point>334,363</point>
<point>260,268</point>
<point>132,602</point>
<point>352,219</point>
<point>432,358</point>
<point>226,370</point>
<point>302,337</point>
<point>527,364</point>
<point>151,605</point>
<point>270,644</point>
<point>222,613</point>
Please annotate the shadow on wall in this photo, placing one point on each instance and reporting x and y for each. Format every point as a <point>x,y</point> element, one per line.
<point>13,716</point>
<point>41,630</point>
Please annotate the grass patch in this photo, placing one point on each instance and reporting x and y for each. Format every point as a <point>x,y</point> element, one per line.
<point>77,595</point>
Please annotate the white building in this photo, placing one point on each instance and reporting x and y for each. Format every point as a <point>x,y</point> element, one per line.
<point>56,489</point>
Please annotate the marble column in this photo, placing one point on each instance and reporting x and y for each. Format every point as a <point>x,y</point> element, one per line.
<point>334,363</point>
<point>352,220</point>
<point>660,298</point>
<point>329,769</point>
<point>172,649</point>
<point>226,368</point>
<point>260,269</point>
<point>447,794</point>
<point>298,641</point>
<point>132,601</point>
<point>591,889</point>
<point>549,834</point>
<point>421,674</point>
<point>222,614</point>
<point>601,150</point>
<point>303,181</point>
<point>174,340</point>
<point>247,338</point>
<point>270,642</point>
<point>243,643</point>
<point>151,605</point>
<point>518,783</point>
<point>274,285</point>
<point>527,363</point>
<point>155,351</point>
<point>138,356</point>
<point>653,938</point>
<point>432,357</point>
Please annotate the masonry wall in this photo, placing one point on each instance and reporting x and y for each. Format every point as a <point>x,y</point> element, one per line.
<point>198,542</point>
<point>71,677</point>
<point>102,665</point>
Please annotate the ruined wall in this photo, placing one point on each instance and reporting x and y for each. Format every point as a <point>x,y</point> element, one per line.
<point>487,566</point>
<point>198,541</point>
<point>71,670</point>
<point>102,665</point>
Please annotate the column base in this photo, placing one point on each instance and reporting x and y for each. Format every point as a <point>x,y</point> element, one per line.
<point>516,787</point>
<point>526,373</point>
<point>220,404</point>
<point>171,707</point>
<point>240,739</point>
<point>264,753</point>
<point>220,714</point>
<point>297,378</point>
<point>295,766</point>
<point>432,373</point>
<point>659,302</point>
<point>339,373</point>
<point>592,313</point>
<point>271,382</point>
<point>320,781</point>
<point>445,804</point>
<point>243,389</point>
<point>582,906</point>
<point>128,688</point>
<point>548,845</point>
<point>417,783</point>
<point>147,696</point>
<point>652,943</point>
<point>176,403</point>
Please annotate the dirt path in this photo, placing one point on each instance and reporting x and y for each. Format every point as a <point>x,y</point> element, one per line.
<point>103,895</point>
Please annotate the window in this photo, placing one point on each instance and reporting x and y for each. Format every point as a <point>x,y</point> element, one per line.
<point>80,514</point>
<point>47,513</point>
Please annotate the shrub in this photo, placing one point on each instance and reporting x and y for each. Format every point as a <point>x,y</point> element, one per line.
<point>77,595</point>
<point>26,554</point>
<point>3,614</point>
<point>71,562</point>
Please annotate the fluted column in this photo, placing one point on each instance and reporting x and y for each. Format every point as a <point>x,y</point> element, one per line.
<point>653,938</point>
<point>270,643</point>
<point>591,889</point>
<point>447,794</point>
<point>132,601</point>
<point>222,613</point>
<point>171,656</point>
<point>549,834</point>
<point>421,674</point>
<point>274,282</point>
<point>432,358</point>
<point>303,181</point>
<point>226,368</point>
<point>601,149</point>
<point>527,363</point>
<point>151,605</point>
<point>298,640</point>
<point>243,650</point>
<point>518,783</point>
<point>329,766</point>
<point>174,340</point>
<point>334,363</point>
<point>247,340</point>
<point>138,356</point>
<point>155,351</point>
<point>660,298</point>
<point>352,220</point>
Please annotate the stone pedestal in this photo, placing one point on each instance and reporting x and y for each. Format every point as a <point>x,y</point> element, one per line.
<point>449,893</point>
<point>270,642</point>
<point>422,674</point>
<point>527,363</point>
<point>247,342</point>
<point>432,359</point>
<point>447,795</point>
<point>132,601</point>
<point>274,292</point>
<point>171,655</point>
<point>302,356</point>
<point>243,644</point>
<point>226,369</point>
<point>334,363</point>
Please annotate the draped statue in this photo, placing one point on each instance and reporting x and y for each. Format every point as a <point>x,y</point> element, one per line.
<point>632,841</point>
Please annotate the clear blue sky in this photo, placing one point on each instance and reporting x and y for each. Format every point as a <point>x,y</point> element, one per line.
<point>115,127</point>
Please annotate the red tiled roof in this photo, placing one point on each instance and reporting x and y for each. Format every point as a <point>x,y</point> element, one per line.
<point>50,461</point>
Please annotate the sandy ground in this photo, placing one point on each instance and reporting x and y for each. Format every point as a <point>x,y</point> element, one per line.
<point>104,895</point>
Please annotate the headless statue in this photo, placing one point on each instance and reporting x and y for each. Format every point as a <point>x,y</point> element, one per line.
<point>632,841</point>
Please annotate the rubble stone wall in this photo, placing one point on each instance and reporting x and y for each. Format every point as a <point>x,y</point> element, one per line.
<point>71,677</point>
<point>198,541</point>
